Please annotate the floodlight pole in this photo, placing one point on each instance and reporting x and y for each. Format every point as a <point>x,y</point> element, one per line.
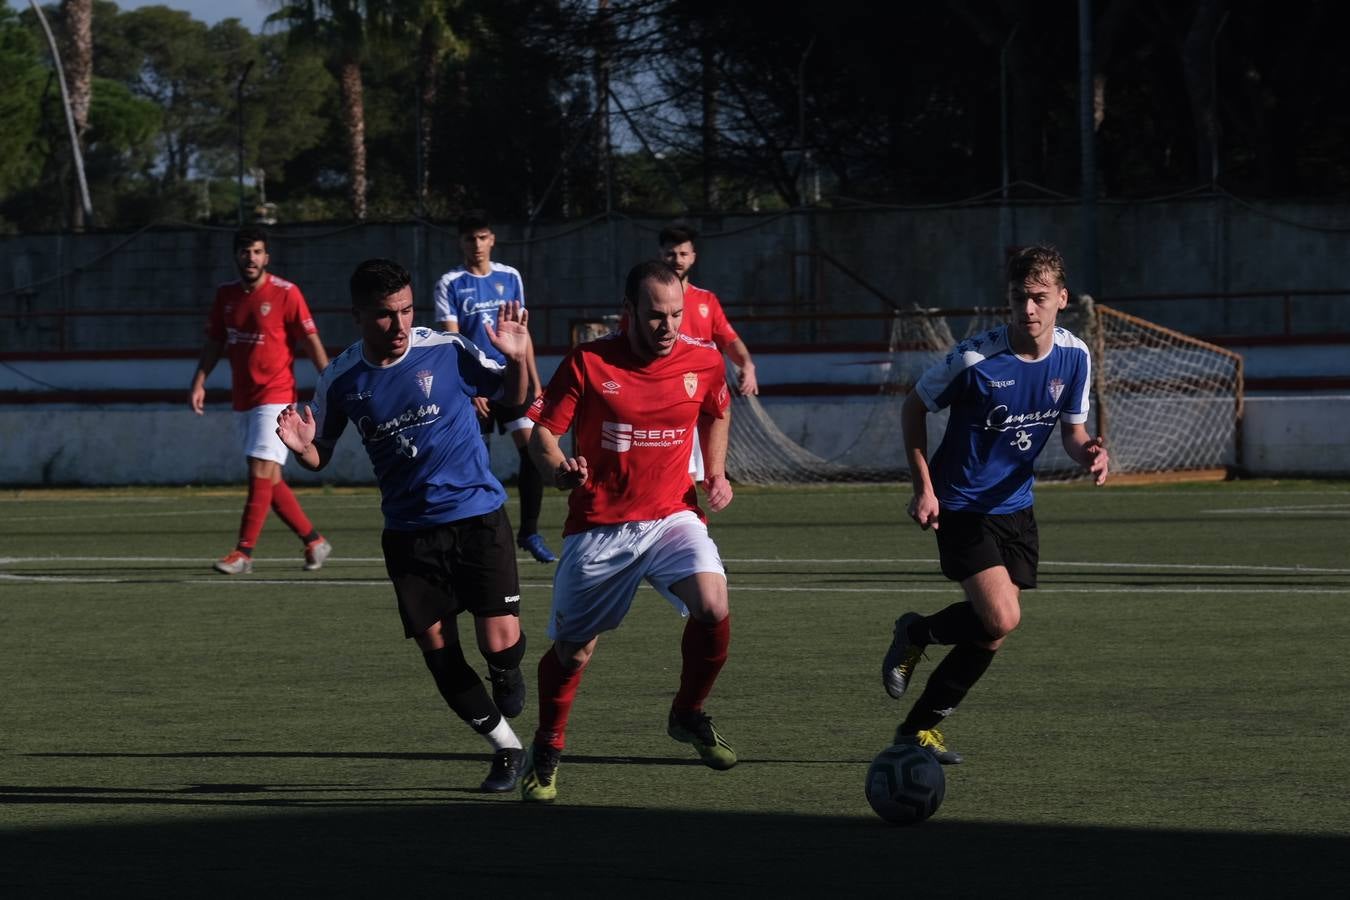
<point>70,118</point>
<point>239,117</point>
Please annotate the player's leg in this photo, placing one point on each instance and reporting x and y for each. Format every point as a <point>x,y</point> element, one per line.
<point>560,670</point>
<point>485,582</point>
<point>415,563</point>
<point>593,588</point>
<point>530,485</point>
<point>684,563</point>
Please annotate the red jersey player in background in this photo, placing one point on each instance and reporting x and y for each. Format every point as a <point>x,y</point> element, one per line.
<point>633,400</point>
<point>256,321</point>
<point>703,315</point>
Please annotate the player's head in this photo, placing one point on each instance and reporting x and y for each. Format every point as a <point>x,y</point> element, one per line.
<point>382,303</point>
<point>678,248</point>
<point>653,301</point>
<point>250,254</point>
<point>1036,289</point>
<point>476,239</point>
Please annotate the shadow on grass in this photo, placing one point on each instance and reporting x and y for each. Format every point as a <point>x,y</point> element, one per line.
<point>442,843</point>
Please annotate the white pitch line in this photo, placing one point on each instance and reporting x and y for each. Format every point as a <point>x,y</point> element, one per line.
<point>370,560</point>
<point>736,586</point>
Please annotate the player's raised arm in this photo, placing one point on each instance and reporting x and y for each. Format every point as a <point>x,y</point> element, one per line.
<point>296,430</point>
<point>565,472</point>
<point>914,422</point>
<point>511,337</point>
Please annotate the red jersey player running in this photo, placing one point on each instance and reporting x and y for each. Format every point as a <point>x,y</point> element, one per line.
<point>256,320</point>
<point>634,400</point>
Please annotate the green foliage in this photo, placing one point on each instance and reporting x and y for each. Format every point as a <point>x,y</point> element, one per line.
<point>23,77</point>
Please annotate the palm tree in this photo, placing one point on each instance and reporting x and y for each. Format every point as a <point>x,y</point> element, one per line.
<point>77,17</point>
<point>339,29</point>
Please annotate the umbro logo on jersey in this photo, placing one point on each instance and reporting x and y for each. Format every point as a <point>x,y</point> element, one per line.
<point>1056,388</point>
<point>690,383</point>
<point>611,387</point>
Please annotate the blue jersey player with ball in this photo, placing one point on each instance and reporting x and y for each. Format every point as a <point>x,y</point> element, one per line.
<point>1006,389</point>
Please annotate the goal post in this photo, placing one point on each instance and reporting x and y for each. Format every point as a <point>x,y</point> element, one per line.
<point>1165,402</point>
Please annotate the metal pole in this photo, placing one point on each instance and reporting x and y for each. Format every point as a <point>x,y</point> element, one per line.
<point>239,113</point>
<point>1087,146</point>
<point>70,117</point>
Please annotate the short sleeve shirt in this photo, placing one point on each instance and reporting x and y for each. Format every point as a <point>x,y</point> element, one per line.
<point>469,300</point>
<point>1003,409</point>
<point>419,427</point>
<point>704,318</point>
<point>634,423</point>
<point>259,329</point>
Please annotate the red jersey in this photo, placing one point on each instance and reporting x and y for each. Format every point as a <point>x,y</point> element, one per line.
<point>634,423</point>
<point>259,329</point>
<point>704,318</point>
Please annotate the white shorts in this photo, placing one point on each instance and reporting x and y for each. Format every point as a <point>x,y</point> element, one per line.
<point>257,428</point>
<point>696,459</point>
<point>601,570</point>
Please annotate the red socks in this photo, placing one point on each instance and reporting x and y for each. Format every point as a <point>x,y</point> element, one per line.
<point>255,512</point>
<point>704,648</point>
<point>557,689</point>
<point>288,509</point>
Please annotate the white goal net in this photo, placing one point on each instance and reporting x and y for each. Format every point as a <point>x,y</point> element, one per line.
<point>1164,401</point>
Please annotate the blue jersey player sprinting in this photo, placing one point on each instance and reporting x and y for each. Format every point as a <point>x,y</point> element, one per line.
<point>1006,389</point>
<point>447,541</point>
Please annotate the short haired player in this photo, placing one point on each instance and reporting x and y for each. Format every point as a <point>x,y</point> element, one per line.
<point>1007,389</point>
<point>466,299</point>
<point>447,540</point>
<point>633,401</point>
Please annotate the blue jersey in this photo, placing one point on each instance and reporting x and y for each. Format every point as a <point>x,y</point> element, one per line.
<point>417,421</point>
<point>1003,409</point>
<point>469,300</point>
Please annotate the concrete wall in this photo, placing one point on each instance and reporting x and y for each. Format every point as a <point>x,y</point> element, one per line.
<point>156,444</point>
<point>931,257</point>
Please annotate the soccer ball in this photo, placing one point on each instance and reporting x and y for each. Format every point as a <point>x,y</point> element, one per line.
<point>905,784</point>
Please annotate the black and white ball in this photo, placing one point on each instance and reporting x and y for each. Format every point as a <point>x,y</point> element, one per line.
<point>905,784</point>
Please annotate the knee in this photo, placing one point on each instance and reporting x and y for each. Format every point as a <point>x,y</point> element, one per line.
<point>1000,623</point>
<point>574,657</point>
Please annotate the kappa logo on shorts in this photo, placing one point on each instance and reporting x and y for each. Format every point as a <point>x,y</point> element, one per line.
<point>511,598</point>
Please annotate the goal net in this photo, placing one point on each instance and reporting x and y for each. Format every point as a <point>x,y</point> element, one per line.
<point>1164,401</point>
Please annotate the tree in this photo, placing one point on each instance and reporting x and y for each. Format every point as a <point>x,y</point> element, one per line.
<point>78,16</point>
<point>340,28</point>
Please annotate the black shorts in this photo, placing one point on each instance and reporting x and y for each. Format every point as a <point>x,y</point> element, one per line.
<point>502,415</point>
<point>468,564</point>
<point>971,542</point>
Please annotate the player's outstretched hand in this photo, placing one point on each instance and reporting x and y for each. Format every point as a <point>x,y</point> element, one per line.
<point>1099,462</point>
<point>924,510</point>
<point>571,473</point>
<point>296,429</point>
<point>512,334</point>
<point>719,492</point>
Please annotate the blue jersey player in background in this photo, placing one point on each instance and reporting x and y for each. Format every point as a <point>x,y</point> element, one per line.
<point>447,540</point>
<point>467,299</point>
<point>1006,389</point>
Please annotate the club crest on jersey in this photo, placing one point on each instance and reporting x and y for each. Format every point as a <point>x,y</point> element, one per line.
<point>424,378</point>
<point>703,310</point>
<point>501,289</point>
<point>1056,388</point>
<point>265,308</point>
<point>690,383</point>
